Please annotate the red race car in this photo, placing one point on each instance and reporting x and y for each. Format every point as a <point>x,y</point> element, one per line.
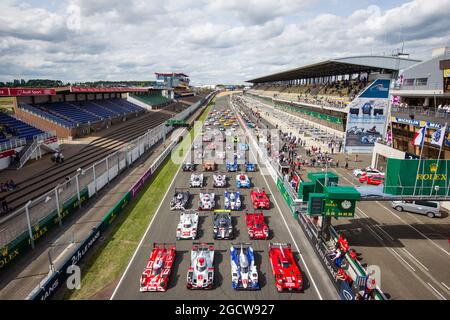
<point>260,199</point>
<point>373,180</point>
<point>257,227</point>
<point>156,275</point>
<point>287,274</point>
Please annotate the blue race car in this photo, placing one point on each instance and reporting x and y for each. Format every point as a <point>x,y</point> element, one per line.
<point>242,181</point>
<point>232,200</point>
<point>244,275</point>
<point>250,167</point>
<point>243,146</point>
<point>232,167</point>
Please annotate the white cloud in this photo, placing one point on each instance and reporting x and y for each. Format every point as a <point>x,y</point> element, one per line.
<point>225,41</point>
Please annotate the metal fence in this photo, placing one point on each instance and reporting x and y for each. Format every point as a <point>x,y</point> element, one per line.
<point>55,204</point>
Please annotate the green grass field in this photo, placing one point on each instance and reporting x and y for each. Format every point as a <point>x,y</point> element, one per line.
<point>110,261</point>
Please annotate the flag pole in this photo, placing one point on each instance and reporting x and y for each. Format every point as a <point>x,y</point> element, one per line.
<point>420,160</point>
<point>438,160</point>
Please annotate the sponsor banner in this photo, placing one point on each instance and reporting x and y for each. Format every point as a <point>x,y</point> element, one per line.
<point>6,154</point>
<point>140,183</point>
<point>112,215</point>
<point>345,291</point>
<point>14,92</point>
<point>403,176</point>
<point>410,156</point>
<point>99,90</point>
<point>417,123</point>
<point>446,73</point>
<point>366,120</point>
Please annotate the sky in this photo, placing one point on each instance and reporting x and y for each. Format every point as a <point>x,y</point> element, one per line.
<point>213,41</point>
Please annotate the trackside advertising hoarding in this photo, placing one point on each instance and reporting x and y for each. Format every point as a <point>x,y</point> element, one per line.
<point>367,115</point>
<point>417,177</point>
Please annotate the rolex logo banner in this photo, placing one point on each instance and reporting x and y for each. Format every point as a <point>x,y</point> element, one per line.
<point>431,178</point>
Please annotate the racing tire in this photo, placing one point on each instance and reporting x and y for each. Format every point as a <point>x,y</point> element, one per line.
<point>399,208</point>
<point>430,215</point>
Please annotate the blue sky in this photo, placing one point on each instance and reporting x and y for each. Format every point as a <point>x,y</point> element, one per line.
<point>214,41</point>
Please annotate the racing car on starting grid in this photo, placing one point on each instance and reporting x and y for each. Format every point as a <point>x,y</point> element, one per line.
<point>219,180</point>
<point>232,167</point>
<point>242,181</point>
<point>287,274</point>
<point>188,166</point>
<point>187,226</point>
<point>244,275</point>
<point>243,146</point>
<point>220,155</point>
<point>256,226</point>
<point>200,274</point>
<point>207,201</point>
<point>196,180</point>
<point>156,274</point>
<point>223,228</point>
<point>260,199</point>
<point>179,200</point>
<point>250,167</point>
<point>232,200</point>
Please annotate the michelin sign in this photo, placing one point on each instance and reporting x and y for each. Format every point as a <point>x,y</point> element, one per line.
<point>366,120</point>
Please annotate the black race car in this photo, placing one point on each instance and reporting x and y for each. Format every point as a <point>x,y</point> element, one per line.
<point>188,166</point>
<point>223,229</point>
<point>179,200</point>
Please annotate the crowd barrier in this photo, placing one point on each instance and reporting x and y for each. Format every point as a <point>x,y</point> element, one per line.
<point>56,278</point>
<point>297,208</point>
<point>22,229</point>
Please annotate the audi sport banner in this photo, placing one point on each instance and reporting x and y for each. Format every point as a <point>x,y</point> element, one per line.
<point>15,92</point>
<point>367,115</point>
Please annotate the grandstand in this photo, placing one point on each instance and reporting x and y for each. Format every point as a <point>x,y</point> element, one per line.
<point>12,128</point>
<point>155,99</point>
<point>322,92</point>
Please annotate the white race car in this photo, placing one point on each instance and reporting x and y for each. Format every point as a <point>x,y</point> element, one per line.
<point>207,201</point>
<point>196,180</point>
<point>187,226</point>
<point>200,274</point>
<point>220,155</point>
<point>220,180</point>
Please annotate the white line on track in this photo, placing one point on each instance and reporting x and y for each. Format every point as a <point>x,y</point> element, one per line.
<point>149,226</point>
<point>415,259</point>
<point>445,286</point>
<point>398,255</point>
<point>290,233</point>
<point>381,229</point>
<point>440,294</point>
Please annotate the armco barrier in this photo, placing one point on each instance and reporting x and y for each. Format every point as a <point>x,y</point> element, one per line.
<point>345,292</point>
<point>54,280</point>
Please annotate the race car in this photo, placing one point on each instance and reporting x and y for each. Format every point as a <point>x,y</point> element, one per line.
<point>179,200</point>
<point>219,180</point>
<point>287,274</point>
<point>206,138</point>
<point>242,181</point>
<point>244,275</point>
<point>200,274</point>
<point>369,139</point>
<point>196,146</point>
<point>156,274</point>
<point>207,201</point>
<point>196,180</point>
<point>229,146</point>
<point>260,199</point>
<point>223,228</point>
<point>250,167</point>
<point>209,165</point>
<point>243,146</point>
<point>187,226</point>
<point>256,226</point>
<point>220,155</point>
<point>188,166</point>
<point>372,180</point>
<point>367,171</point>
<point>232,200</point>
<point>232,167</point>
<point>211,146</point>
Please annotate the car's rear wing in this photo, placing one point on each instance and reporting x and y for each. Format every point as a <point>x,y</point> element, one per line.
<point>203,246</point>
<point>247,213</point>
<point>164,246</point>
<point>238,245</point>
<point>277,245</point>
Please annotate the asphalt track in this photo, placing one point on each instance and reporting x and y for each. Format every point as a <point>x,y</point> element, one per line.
<point>162,230</point>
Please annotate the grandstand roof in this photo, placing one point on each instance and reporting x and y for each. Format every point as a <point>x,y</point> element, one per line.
<point>173,74</point>
<point>340,66</point>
